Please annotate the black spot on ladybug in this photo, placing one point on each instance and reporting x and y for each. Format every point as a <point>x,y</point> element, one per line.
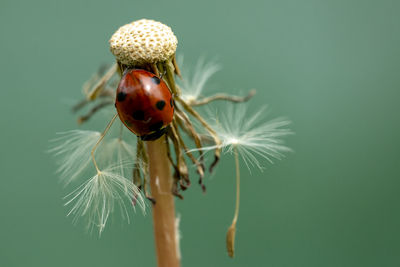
<point>155,80</point>
<point>138,115</point>
<point>121,96</point>
<point>160,104</point>
<point>171,103</point>
<point>128,123</point>
<point>156,126</point>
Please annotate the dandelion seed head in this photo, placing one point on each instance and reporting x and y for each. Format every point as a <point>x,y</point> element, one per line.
<point>143,41</point>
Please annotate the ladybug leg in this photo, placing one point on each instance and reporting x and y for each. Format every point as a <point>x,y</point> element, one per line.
<point>91,112</point>
<point>200,167</point>
<point>99,86</point>
<point>231,98</point>
<point>213,134</point>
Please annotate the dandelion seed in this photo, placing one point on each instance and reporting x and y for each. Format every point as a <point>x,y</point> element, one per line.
<point>247,136</point>
<point>117,151</point>
<point>101,195</point>
<point>193,88</point>
<point>251,136</point>
<point>72,150</point>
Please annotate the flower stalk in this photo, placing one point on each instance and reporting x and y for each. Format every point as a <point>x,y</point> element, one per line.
<point>164,208</point>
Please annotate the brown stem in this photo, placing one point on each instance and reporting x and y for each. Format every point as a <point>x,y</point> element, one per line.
<point>231,98</point>
<point>166,240</point>
<point>95,109</point>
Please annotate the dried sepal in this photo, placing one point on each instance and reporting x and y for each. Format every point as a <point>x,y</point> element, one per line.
<point>208,128</point>
<point>230,240</point>
<point>182,174</point>
<point>98,87</point>
<point>200,167</point>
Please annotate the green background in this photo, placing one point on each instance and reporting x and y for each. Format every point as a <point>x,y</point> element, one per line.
<point>332,67</point>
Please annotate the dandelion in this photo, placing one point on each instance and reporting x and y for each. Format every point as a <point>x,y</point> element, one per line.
<point>248,137</point>
<point>158,108</point>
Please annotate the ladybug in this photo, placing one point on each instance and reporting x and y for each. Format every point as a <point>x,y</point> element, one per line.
<point>144,104</point>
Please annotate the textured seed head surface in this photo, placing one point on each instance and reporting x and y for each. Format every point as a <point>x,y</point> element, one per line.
<point>143,41</point>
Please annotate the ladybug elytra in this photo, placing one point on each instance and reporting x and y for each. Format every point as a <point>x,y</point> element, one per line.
<point>144,104</point>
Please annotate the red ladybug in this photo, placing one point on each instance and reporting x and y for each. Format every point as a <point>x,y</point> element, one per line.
<point>144,104</point>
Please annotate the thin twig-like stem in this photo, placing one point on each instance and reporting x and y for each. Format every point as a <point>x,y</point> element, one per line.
<point>99,86</point>
<point>230,235</point>
<point>164,210</point>
<point>226,97</point>
<point>100,139</point>
<point>237,186</point>
<point>95,109</point>
<point>106,93</point>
